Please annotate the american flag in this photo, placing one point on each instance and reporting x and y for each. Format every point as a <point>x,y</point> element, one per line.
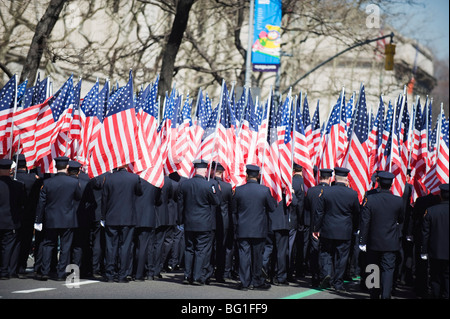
<point>170,165</point>
<point>285,147</point>
<point>316,136</point>
<point>439,171</point>
<point>332,141</point>
<point>399,167</point>
<point>376,140</point>
<point>358,152</point>
<point>116,144</point>
<point>270,175</point>
<point>206,146</point>
<point>90,124</point>
<point>301,152</point>
<point>40,125</point>
<point>8,101</point>
<point>185,148</point>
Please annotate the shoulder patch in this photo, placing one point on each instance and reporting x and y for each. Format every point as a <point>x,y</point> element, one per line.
<point>213,189</point>
<point>365,201</point>
<point>321,192</point>
<point>426,212</point>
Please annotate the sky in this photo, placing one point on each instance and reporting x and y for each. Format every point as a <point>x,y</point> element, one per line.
<point>427,22</point>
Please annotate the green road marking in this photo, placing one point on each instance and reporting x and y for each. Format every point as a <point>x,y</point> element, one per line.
<point>310,292</point>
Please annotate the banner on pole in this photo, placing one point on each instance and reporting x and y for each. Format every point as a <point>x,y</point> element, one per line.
<point>266,49</point>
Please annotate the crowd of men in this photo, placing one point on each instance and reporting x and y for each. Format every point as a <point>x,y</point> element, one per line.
<point>117,227</point>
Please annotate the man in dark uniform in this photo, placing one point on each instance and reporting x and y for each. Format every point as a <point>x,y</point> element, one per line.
<point>252,203</point>
<point>56,214</point>
<point>25,235</point>
<point>97,231</point>
<point>12,201</point>
<point>223,212</point>
<point>145,229</point>
<point>119,217</point>
<point>435,244</point>
<point>195,200</point>
<point>381,215</point>
<point>83,209</point>
<point>336,219</point>
<point>311,243</point>
<point>165,218</point>
<point>295,250</point>
<point>421,266</point>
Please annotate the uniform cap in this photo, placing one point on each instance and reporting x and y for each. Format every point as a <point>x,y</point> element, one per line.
<point>5,163</point>
<point>74,165</point>
<point>218,166</point>
<point>341,171</point>
<point>61,161</point>
<point>199,163</point>
<point>326,172</point>
<point>20,159</point>
<point>252,168</point>
<point>297,167</point>
<point>386,177</point>
<point>443,188</point>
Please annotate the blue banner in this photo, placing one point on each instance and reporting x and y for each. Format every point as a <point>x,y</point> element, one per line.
<point>266,35</point>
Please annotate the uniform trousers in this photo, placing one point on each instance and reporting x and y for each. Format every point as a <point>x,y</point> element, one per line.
<point>281,251</point>
<point>386,263</point>
<point>7,242</point>
<point>292,252</point>
<point>118,241</point>
<point>314,248</point>
<point>333,257</point>
<point>97,246</point>
<point>49,246</point>
<point>439,276</point>
<point>251,261</point>
<point>142,244</point>
<point>196,253</point>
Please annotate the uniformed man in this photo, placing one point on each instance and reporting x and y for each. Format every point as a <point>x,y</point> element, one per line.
<point>195,200</point>
<point>119,193</point>
<point>97,231</point>
<point>12,201</point>
<point>25,235</point>
<point>335,221</point>
<point>84,211</point>
<point>223,213</point>
<point>381,214</point>
<point>56,214</point>
<point>296,231</point>
<point>311,243</point>
<point>252,202</point>
<point>165,218</point>
<point>145,230</point>
<point>435,244</point>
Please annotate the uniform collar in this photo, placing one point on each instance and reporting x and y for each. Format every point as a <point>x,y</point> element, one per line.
<point>199,176</point>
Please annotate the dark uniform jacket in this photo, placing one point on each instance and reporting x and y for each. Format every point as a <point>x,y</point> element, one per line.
<point>381,216</point>
<point>32,186</point>
<point>58,198</point>
<point>224,209</point>
<point>85,206</point>
<point>252,203</point>
<point>337,214</point>
<point>280,217</point>
<point>146,205</point>
<point>196,198</point>
<point>310,204</point>
<point>435,231</point>
<point>165,215</point>
<point>296,212</point>
<point>96,184</point>
<point>119,198</point>
<point>12,201</point>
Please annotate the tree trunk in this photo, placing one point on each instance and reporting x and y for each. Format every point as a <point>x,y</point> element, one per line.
<point>39,42</point>
<point>173,44</point>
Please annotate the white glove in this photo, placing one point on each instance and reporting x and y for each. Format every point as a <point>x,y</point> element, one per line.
<point>363,248</point>
<point>38,226</point>
<point>409,238</point>
<point>424,256</point>
<point>102,222</point>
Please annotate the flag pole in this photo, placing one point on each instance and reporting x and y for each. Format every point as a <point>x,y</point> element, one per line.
<point>411,127</point>
<point>216,128</point>
<point>12,120</point>
<point>293,128</point>
<point>267,132</point>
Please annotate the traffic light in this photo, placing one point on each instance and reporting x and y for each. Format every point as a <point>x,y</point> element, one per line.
<point>389,51</point>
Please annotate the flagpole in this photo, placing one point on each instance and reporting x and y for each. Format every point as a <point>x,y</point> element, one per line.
<point>12,120</point>
<point>293,129</point>
<point>355,116</point>
<point>411,126</point>
<point>216,128</point>
<point>267,132</point>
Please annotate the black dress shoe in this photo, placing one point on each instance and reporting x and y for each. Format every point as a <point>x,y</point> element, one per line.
<point>139,279</point>
<point>123,281</point>
<point>325,282</point>
<point>280,283</point>
<point>264,286</point>
<point>186,281</point>
<point>198,283</point>
<point>241,287</point>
